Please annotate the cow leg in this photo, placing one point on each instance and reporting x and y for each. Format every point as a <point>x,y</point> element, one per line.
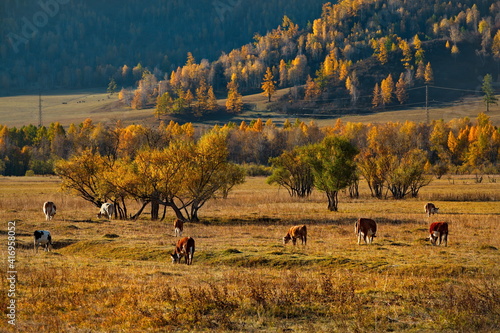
<point>359,238</point>
<point>294,240</point>
<point>445,239</point>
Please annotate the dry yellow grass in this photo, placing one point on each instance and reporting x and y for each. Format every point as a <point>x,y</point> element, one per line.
<point>116,276</point>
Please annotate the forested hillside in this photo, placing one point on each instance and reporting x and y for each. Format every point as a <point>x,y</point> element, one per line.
<point>73,44</point>
<point>355,55</point>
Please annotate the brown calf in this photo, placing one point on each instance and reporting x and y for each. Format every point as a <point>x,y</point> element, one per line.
<point>184,248</point>
<point>430,209</point>
<point>366,229</point>
<point>439,231</point>
<point>298,231</point>
<point>178,227</point>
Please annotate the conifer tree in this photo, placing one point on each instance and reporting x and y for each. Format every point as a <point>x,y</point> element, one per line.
<point>377,97</point>
<point>401,89</point>
<point>234,101</point>
<point>387,89</point>
<point>268,85</point>
<point>428,74</point>
<point>312,89</point>
<point>489,93</point>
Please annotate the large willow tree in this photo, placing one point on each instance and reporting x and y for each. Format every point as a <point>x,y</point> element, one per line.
<point>184,175</point>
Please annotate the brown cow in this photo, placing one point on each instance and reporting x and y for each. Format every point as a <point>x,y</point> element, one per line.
<point>430,209</point>
<point>49,209</point>
<point>298,231</point>
<point>178,227</point>
<point>439,230</point>
<point>184,248</point>
<point>366,229</point>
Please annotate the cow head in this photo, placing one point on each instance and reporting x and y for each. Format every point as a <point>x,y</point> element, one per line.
<point>434,237</point>
<point>176,258</point>
<point>286,239</point>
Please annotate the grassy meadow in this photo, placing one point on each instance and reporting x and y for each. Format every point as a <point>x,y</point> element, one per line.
<point>117,276</point>
<point>67,107</point>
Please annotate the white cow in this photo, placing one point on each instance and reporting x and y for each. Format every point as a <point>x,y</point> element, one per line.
<point>49,209</point>
<point>107,210</point>
<point>42,238</point>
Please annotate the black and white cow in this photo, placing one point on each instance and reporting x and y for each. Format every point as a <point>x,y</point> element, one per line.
<point>42,238</point>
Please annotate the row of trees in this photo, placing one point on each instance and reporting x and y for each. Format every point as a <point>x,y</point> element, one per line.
<point>182,167</point>
<point>458,146</point>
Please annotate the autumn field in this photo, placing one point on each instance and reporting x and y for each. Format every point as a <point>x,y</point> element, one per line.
<point>117,276</point>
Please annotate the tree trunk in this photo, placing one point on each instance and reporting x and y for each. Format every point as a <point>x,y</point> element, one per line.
<point>333,200</point>
<point>155,208</point>
<point>139,212</point>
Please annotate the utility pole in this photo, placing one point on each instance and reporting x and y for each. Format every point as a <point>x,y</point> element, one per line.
<point>40,109</point>
<point>427,103</point>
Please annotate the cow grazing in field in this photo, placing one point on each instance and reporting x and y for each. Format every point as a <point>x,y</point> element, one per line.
<point>366,229</point>
<point>42,238</point>
<point>107,210</point>
<point>49,209</point>
<point>430,209</point>
<point>184,248</point>
<point>178,227</point>
<point>439,231</point>
<point>298,231</point>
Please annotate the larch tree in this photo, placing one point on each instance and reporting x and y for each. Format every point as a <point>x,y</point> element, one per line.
<point>312,89</point>
<point>377,96</point>
<point>234,101</point>
<point>268,84</point>
<point>402,89</point>
<point>428,74</point>
<point>387,89</point>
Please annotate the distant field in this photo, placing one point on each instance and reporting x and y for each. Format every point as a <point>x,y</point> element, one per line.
<point>76,106</point>
<point>117,276</point>
<point>68,107</point>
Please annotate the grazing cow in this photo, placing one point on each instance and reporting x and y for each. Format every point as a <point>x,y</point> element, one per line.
<point>439,230</point>
<point>178,227</point>
<point>107,210</point>
<point>298,231</point>
<point>49,209</point>
<point>42,238</point>
<point>366,229</point>
<point>430,209</point>
<point>184,248</point>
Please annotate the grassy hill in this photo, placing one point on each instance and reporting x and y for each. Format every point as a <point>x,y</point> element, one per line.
<point>69,107</point>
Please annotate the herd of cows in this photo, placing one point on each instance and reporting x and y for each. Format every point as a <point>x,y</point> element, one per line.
<point>364,228</point>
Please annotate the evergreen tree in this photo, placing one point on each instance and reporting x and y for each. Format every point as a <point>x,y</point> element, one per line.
<point>111,87</point>
<point>489,92</point>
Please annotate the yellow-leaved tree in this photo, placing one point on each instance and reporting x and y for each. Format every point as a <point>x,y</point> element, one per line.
<point>268,85</point>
